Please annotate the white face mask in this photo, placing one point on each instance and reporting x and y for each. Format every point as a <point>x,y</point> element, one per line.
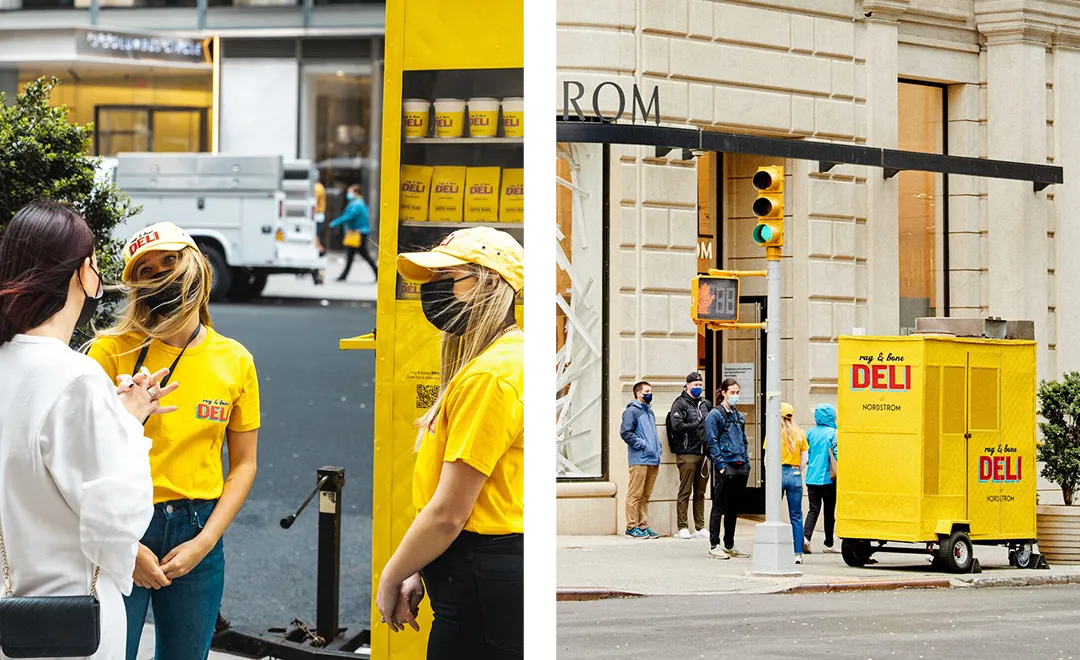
<point>732,399</point>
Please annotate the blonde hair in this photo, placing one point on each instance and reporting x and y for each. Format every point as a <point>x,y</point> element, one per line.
<point>790,432</point>
<point>489,306</point>
<point>193,273</point>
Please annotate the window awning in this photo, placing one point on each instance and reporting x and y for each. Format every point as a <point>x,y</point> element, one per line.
<point>827,154</point>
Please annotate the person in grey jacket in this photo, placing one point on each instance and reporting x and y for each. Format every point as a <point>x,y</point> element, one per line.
<point>638,431</point>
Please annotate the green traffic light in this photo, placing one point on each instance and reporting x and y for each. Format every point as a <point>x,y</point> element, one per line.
<point>763,234</point>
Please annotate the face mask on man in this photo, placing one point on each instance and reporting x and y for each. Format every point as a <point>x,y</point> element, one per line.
<point>647,398</point>
<point>442,308</point>
<point>695,392</point>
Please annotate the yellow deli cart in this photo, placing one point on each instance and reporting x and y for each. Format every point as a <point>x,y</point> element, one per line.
<point>936,447</point>
<point>452,157</point>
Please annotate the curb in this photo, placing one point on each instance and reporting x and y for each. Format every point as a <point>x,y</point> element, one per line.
<point>582,594</point>
<point>876,585</point>
<point>1033,581</point>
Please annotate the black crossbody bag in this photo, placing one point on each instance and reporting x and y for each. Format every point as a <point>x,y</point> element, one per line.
<point>48,626</point>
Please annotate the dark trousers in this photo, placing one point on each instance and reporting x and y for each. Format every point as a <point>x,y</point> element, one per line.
<point>363,252</point>
<point>727,493</point>
<point>819,494</point>
<point>477,591</point>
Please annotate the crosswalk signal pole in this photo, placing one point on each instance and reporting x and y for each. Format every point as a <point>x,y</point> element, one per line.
<point>774,551</point>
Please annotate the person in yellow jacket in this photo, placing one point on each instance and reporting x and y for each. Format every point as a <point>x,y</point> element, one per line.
<point>466,545</point>
<point>793,464</point>
<point>180,567</point>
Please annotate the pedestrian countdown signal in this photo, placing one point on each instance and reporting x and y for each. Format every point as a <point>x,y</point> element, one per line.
<point>715,299</point>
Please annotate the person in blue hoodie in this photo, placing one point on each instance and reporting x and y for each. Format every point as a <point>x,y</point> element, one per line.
<point>820,485</point>
<point>638,431</point>
<point>356,218</point>
<point>725,437</point>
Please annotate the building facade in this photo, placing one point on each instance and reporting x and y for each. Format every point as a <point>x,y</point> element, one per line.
<point>866,250</point>
<point>300,78</point>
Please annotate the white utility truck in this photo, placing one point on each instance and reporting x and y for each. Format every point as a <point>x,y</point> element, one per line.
<point>252,216</point>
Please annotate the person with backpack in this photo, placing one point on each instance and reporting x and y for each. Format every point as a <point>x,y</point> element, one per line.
<point>686,439</point>
<point>638,431</point>
<point>725,437</point>
<point>820,477</point>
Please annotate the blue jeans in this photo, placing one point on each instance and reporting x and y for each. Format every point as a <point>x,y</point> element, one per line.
<point>792,488</point>
<point>185,611</point>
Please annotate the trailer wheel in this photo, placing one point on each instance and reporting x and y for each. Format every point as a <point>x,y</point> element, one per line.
<point>246,285</point>
<point>222,274</point>
<point>1022,556</point>
<point>856,553</point>
<point>956,553</point>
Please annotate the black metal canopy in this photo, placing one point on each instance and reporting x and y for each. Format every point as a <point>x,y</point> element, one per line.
<point>827,154</point>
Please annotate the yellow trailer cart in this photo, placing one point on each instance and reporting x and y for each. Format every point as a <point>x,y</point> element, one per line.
<point>936,447</point>
<point>452,157</point>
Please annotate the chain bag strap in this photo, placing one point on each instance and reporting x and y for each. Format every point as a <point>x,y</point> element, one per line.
<point>48,626</point>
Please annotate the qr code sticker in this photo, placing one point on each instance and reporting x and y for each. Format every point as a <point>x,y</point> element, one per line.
<point>426,395</point>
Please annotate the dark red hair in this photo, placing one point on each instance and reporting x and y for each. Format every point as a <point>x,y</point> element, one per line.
<point>43,245</point>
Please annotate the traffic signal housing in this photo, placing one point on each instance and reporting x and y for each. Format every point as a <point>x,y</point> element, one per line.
<point>715,300</point>
<point>769,206</point>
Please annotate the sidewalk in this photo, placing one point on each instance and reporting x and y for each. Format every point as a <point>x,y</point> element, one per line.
<point>360,287</point>
<point>146,647</point>
<point>590,567</point>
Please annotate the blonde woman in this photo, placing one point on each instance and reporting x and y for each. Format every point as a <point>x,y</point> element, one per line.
<point>180,569</point>
<point>466,544</point>
<point>793,461</point>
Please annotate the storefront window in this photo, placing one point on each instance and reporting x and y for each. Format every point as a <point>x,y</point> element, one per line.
<point>579,324</point>
<point>161,129</point>
<point>106,4</point>
<point>921,128</point>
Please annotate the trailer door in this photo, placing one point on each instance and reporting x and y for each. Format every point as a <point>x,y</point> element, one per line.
<point>987,465</point>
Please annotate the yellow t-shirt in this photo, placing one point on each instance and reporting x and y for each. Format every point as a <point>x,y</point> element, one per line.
<point>320,198</point>
<point>482,423</point>
<point>219,390</point>
<point>788,458</point>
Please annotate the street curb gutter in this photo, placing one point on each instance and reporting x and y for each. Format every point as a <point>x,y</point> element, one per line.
<point>576,594</point>
<point>876,585</point>
<point>1033,581</point>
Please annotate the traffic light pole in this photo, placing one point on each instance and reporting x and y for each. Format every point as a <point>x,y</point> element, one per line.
<point>774,551</point>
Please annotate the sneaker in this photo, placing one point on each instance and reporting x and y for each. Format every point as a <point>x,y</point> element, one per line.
<point>701,534</point>
<point>735,552</point>
<point>798,559</point>
<point>717,553</point>
<point>684,534</point>
<point>831,550</point>
<point>636,533</point>
<point>650,534</point>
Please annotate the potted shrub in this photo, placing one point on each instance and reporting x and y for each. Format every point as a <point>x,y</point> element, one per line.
<point>1059,454</point>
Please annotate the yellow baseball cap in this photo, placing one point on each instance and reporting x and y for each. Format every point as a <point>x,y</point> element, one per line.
<point>786,410</point>
<point>160,236</point>
<point>483,246</point>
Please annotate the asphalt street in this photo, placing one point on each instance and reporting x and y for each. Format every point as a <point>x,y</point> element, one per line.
<point>317,410</point>
<point>1033,622</point>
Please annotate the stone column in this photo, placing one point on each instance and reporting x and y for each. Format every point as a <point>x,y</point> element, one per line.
<point>880,29</point>
<point>1016,131</point>
<point>1067,197</point>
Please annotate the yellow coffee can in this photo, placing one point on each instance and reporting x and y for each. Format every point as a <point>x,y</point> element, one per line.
<point>483,117</point>
<point>415,113</point>
<point>449,118</point>
<point>513,110</point>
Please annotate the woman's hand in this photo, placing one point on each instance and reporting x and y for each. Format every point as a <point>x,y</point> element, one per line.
<point>408,605</point>
<point>148,573</point>
<point>387,601</point>
<point>183,558</point>
<point>141,396</point>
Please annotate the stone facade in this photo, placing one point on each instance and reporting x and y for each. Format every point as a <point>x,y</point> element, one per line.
<point>825,70</point>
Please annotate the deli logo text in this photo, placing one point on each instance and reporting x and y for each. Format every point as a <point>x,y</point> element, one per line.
<point>412,186</point>
<point>881,377</point>
<point>213,410</point>
<point>448,188</point>
<point>652,112</point>
<point>142,240</point>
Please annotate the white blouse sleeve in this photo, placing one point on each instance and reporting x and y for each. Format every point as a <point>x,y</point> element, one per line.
<point>98,458</point>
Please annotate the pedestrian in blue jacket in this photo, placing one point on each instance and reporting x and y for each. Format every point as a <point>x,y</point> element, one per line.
<point>820,485</point>
<point>638,431</point>
<point>725,437</point>
<point>356,218</point>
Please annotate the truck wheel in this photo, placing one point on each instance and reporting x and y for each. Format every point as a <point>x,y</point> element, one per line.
<point>855,553</point>
<point>956,553</point>
<point>222,275</point>
<point>246,285</point>
<point>1023,556</point>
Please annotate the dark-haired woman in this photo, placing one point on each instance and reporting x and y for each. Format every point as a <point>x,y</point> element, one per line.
<point>77,493</point>
<point>725,435</point>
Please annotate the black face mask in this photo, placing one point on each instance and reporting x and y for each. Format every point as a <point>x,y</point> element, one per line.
<point>90,305</point>
<point>442,308</point>
<point>167,300</point>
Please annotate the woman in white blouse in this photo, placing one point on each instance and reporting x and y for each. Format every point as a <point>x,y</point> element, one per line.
<point>73,459</point>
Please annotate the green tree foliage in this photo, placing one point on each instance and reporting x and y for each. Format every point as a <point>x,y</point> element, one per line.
<point>1059,451</point>
<point>43,155</point>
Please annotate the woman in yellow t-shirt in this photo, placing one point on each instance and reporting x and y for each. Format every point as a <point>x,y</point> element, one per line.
<point>793,460</point>
<point>180,567</point>
<point>467,542</point>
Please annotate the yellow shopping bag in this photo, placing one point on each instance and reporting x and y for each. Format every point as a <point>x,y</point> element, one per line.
<point>352,239</point>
